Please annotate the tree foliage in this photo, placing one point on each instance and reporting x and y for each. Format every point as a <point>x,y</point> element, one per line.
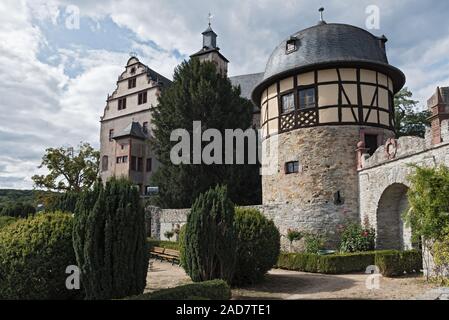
<point>409,121</point>
<point>210,242</point>
<point>110,242</point>
<point>199,93</point>
<point>18,210</point>
<point>69,170</point>
<point>428,197</point>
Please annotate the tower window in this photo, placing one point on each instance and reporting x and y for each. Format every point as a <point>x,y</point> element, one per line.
<point>292,167</point>
<point>111,134</point>
<point>306,98</point>
<point>371,143</point>
<point>290,46</point>
<point>133,70</point>
<point>104,163</point>
<point>142,98</point>
<point>145,127</point>
<point>122,103</point>
<point>131,83</point>
<point>149,164</point>
<point>140,164</point>
<point>133,163</point>
<point>288,103</point>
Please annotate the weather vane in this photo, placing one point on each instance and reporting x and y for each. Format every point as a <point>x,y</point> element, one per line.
<point>210,16</point>
<point>321,13</point>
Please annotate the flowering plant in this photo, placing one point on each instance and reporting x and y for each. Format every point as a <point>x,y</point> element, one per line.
<point>356,238</point>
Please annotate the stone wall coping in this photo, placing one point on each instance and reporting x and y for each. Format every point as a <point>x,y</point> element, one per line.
<point>404,156</point>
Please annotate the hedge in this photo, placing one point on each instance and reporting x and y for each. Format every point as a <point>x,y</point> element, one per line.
<point>163,244</point>
<point>329,264</point>
<point>207,290</point>
<point>390,263</point>
<point>395,263</point>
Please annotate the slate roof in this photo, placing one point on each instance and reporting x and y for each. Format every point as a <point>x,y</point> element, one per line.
<point>134,130</point>
<point>330,44</point>
<point>247,83</point>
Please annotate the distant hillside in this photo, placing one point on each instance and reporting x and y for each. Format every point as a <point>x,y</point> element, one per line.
<point>25,196</point>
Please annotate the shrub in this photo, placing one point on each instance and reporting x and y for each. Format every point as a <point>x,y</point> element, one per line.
<point>34,255</point>
<point>18,210</point>
<point>210,242</point>
<point>109,240</point>
<point>356,238</point>
<point>258,245</point>
<point>6,221</point>
<point>169,234</point>
<point>163,244</point>
<point>395,263</point>
<point>207,290</point>
<point>293,235</point>
<point>313,243</point>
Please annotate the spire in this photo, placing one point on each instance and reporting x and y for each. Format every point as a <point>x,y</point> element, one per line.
<point>209,36</point>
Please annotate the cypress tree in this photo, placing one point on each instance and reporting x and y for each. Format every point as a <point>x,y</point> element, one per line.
<point>210,243</point>
<point>109,239</point>
<point>199,93</point>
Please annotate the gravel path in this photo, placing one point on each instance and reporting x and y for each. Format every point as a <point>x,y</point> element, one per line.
<point>283,284</point>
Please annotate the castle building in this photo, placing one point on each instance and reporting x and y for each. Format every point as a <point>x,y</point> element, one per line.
<point>126,125</point>
<point>324,90</point>
<point>325,108</point>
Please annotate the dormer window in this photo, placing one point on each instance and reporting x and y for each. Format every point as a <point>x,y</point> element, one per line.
<point>133,70</point>
<point>290,46</point>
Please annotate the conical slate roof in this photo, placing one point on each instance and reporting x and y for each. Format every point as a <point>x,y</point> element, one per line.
<point>329,45</point>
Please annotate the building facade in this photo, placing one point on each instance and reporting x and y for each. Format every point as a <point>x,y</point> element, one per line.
<point>126,125</point>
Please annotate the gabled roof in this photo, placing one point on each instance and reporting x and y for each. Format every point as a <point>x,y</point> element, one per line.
<point>133,130</point>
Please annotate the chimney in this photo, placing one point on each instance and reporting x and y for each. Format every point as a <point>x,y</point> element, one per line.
<point>439,109</point>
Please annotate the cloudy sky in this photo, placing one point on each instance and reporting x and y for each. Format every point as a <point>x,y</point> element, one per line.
<point>55,77</point>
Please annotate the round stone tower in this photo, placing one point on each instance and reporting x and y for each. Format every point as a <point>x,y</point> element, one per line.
<point>327,90</point>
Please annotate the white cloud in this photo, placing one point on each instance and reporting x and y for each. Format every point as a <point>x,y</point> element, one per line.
<point>44,105</point>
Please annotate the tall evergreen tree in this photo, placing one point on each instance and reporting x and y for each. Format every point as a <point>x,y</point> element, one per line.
<point>199,93</point>
<point>109,241</point>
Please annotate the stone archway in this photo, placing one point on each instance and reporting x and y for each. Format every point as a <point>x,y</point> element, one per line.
<point>391,230</point>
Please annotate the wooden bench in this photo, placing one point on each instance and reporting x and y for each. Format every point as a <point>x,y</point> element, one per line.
<point>165,254</point>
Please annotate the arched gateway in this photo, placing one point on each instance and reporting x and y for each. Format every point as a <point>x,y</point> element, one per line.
<point>392,232</point>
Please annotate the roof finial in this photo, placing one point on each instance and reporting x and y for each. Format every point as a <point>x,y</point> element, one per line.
<point>133,54</point>
<point>210,16</point>
<point>321,14</point>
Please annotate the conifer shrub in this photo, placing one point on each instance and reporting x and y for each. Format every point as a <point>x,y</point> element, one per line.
<point>34,255</point>
<point>210,241</point>
<point>18,210</point>
<point>109,240</point>
<point>258,245</point>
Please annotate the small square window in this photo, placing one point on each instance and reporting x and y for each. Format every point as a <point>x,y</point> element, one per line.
<point>290,46</point>
<point>292,167</point>
<point>306,98</point>
<point>288,103</point>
